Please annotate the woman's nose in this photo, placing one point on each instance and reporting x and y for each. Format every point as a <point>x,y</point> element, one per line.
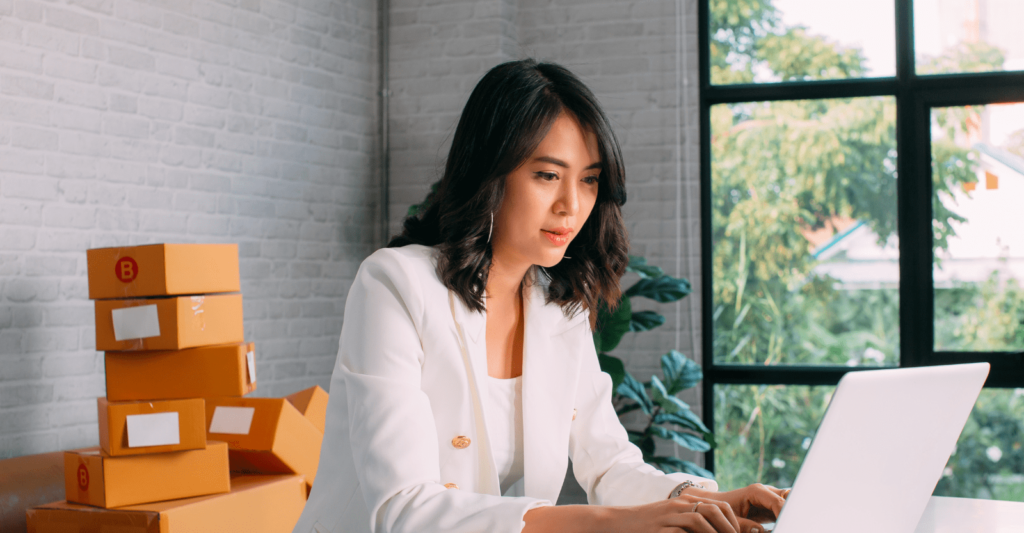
<point>568,201</point>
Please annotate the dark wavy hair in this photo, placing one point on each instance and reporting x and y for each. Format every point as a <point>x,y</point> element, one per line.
<point>508,114</point>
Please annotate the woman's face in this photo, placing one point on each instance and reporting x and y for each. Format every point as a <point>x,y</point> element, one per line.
<point>549,197</point>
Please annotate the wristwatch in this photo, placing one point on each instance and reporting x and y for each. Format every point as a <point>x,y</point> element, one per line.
<point>683,486</point>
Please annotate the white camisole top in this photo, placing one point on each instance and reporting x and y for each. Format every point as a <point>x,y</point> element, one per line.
<point>504,413</point>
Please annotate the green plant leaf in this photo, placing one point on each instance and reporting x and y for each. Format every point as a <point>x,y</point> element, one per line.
<point>613,367</point>
<point>679,465</point>
<point>638,264</point>
<point>680,372</point>
<point>634,390</point>
<point>686,419</point>
<point>686,440</point>
<point>612,326</point>
<point>664,289</point>
<point>646,446</point>
<point>658,462</point>
<point>645,321</point>
<point>661,397</point>
<point>627,409</point>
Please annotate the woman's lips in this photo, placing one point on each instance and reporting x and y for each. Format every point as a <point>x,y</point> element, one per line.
<point>556,238</point>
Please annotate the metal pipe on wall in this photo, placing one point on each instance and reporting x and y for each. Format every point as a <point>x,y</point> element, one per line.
<point>385,94</point>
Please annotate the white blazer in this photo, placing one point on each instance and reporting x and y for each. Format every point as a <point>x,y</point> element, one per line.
<point>405,396</point>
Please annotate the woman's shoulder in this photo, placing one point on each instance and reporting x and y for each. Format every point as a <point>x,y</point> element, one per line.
<point>410,255</point>
<point>413,262</point>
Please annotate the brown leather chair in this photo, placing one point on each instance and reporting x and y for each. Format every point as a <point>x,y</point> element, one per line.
<point>26,482</point>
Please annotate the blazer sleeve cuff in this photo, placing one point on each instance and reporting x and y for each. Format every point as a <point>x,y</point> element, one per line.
<point>526,506</point>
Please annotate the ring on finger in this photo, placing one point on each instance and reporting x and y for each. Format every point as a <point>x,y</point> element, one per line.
<point>695,506</point>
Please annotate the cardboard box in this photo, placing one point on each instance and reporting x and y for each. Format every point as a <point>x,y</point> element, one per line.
<point>162,270</point>
<point>256,504</point>
<point>93,478</point>
<point>312,403</point>
<point>210,371</point>
<point>266,435</point>
<point>134,428</point>
<point>173,323</point>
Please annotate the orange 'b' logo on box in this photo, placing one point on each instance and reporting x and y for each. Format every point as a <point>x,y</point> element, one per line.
<point>126,269</point>
<point>83,477</point>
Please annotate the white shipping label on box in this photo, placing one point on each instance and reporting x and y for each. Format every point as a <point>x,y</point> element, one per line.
<point>250,362</point>
<point>232,420</point>
<point>136,322</point>
<point>157,429</point>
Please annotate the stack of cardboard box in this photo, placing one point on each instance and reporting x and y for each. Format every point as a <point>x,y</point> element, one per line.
<point>174,424</point>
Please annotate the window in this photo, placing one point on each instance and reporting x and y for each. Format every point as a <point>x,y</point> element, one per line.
<point>862,164</point>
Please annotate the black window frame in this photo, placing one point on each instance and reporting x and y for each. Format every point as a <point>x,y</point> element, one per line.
<point>915,97</point>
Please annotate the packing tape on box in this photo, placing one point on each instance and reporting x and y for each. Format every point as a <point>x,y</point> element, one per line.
<point>232,420</point>
<point>250,362</point>
<point>156,429</point>
<point>135,322</point>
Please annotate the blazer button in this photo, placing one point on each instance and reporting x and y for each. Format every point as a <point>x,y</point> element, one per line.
<point>574,414</point>
<point>450,486</point>
<point>460,442</point>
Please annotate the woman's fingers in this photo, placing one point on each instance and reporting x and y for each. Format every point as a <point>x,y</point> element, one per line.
<point>694,523</point>
<point>723,508</point>
<point>714,515</point>
<point>750,526</point>
<point>763,496</point>
<point>781,492</point>
<point>696,515</point>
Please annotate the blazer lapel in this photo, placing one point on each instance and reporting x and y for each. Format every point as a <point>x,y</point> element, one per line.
<point>549,379</point>
<point>471,324</point>
<point>550,368</point>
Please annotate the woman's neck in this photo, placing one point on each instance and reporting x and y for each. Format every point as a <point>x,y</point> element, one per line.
<point>504,279</point>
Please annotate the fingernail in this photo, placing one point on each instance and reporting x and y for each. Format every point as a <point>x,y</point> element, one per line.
<point>755,530</point>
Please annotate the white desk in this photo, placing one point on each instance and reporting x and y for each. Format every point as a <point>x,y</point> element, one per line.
<point>962,515</point>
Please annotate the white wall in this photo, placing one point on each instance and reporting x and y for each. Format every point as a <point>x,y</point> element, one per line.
<point>126,122</point>
<point>251,121</point>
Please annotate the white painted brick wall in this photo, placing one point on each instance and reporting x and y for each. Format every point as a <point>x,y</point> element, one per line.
<point>638,56</point>
<point>129,122</point>
<point>439,50</point>
<point>254,123</point>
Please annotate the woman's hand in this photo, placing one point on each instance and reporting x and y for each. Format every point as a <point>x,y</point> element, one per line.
<point>690,513</point>
<point>687,513</point>
<point>752,505</point>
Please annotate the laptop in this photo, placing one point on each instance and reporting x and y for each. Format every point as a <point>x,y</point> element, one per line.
<point>880,449</point>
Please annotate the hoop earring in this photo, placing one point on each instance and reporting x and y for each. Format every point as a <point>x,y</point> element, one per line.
<point>490,229</point>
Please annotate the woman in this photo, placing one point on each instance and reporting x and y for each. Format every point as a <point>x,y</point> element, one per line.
<point>466,369</point>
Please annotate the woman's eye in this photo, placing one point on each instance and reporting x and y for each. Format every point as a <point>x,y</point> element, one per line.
<point>591,179</point>
<point>547,175</point>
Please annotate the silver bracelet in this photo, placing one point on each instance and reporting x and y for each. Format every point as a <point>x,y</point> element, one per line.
<point>683,486</point>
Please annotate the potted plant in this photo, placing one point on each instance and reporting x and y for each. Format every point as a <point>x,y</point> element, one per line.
<point>666,416</point>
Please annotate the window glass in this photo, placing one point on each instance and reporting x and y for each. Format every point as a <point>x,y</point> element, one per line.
<point>805,254</point>
<point>764,431</point>
<point>953,36</point>
<point>988,460</point>
<point>978,176</point>
<point>757,41</point>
